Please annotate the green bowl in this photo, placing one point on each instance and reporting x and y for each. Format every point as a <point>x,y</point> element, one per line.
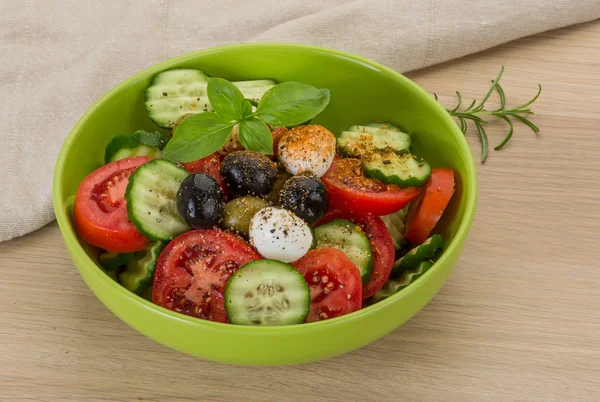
<point>361,91</point>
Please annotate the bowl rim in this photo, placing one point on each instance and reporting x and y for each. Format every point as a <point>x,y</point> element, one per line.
<point>71,240</point>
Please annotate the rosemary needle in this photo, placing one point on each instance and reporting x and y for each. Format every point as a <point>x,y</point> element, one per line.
<point>476,111</point>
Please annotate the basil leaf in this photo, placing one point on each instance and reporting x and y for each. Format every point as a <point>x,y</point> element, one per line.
<point>256,136</point>
<point>247,108</point>
<point>291,103</point>
<point>226,99</point>
<point>197,136</point>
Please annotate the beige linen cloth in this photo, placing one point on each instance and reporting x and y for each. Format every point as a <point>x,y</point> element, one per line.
<point>58,57</point>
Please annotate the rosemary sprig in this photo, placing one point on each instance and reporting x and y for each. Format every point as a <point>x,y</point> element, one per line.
<point>476,111</point>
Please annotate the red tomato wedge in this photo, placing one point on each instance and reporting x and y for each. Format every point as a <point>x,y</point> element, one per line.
<point>334,282</point>
<point>100,211</point>
<point>427,209</point>
<point>350,190</point>
<point>193,270</point>
<point>211,165</point>
<point>381,243</point>
<point>277,133</point>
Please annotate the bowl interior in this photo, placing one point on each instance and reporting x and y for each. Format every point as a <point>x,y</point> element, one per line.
<point>361,92</point>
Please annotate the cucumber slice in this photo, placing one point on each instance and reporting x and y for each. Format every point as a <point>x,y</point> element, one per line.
<point>415,256</point>
<point>383,129</point>
<point>393,286</point>
<point>179,91</point>
<point>395,225</point>
<point>403,170</point>
<point>140,143</point>
<point>254,84</point>
<point>315,243</point>
<point>112,261</point>
<point>255,89</point>
<point>114,275</point>
<point>139,272</point>
<point>151,197</point>
<point>267,292</point>
<point>380,135</point>
<point>364,129</point>
<point>358,143</point>
<point>384,125</point>
<point>349,238</point>
<point>175,92</point>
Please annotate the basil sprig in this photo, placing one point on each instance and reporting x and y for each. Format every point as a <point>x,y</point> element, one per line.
<point>285,104</point>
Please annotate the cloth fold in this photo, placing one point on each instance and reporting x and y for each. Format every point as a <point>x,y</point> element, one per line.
<point>59,56</point>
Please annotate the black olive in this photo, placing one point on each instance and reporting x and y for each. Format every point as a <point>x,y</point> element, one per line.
<point>200,201</point>
<point>248,173</point>
<point>306,196</point>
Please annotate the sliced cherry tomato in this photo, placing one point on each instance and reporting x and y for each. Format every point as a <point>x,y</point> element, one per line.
<point>218,306</point>
<point>277,133</point>
<point>334,282</point>
<point>381,243</point>
<point>350,190</point>
<point>211,165</point>
<point>193,270</point>
<point>100,210</point>
<point>427,209</point>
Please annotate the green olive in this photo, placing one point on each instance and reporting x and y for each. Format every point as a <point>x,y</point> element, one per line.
<point>282,177</point>
<point>239,212</point>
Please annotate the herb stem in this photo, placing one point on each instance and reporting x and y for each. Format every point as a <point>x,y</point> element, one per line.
<point>476,111</point>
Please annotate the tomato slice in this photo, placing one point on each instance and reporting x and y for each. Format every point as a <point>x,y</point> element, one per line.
<point>193,270</point>
<point>427,209</point>
<point>211,165</point>
<point>100,210</point>
<point>277,133</point>
<point>381,243</point>
<point>334,281</point>
<point>350,190</point>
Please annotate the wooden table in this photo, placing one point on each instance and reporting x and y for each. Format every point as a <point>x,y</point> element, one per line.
<point>519,318</point>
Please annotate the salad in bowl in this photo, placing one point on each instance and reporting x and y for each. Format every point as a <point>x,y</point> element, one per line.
<point>239,209</point>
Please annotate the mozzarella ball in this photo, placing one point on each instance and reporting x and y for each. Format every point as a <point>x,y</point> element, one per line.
<point>278,234</point>
<point>233,142</point>
<point>307,149</point>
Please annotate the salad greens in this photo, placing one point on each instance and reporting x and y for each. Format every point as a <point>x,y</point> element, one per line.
<point>291,103</point>
<point>255,135</point>
<point>227,99</point>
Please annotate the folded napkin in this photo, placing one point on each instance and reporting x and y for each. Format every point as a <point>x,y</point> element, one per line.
<point>60,56</point>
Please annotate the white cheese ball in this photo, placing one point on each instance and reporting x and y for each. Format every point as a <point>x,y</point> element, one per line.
<point>307,149</point>
<point>233,142</point>
<point>278,234</point>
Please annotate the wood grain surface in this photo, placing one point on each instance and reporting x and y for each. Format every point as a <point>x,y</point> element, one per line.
<point>518,320</point>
